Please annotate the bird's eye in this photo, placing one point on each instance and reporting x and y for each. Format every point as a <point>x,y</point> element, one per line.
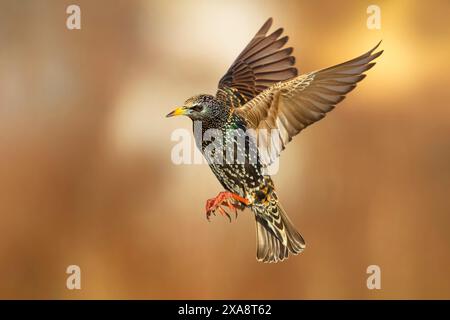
<point>197,108</point>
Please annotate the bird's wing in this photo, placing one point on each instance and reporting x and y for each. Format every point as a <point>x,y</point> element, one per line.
<point>292,105</point>
<point>262,63</point>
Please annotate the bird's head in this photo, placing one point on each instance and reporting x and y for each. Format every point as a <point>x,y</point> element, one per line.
<point>200,107</point>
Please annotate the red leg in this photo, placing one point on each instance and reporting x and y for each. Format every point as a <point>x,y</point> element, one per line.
<point>224,198</point>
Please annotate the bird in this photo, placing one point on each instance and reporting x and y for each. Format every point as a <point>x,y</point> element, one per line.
<point>262,91</point>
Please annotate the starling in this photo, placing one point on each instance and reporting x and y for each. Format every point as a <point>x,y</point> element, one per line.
<point>262,91</point>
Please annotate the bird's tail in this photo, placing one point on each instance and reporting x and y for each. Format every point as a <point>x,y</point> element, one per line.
<point>276,236</point>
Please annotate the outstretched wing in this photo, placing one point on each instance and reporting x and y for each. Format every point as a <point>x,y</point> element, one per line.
<point>262,63</point>
<point>292,105</point>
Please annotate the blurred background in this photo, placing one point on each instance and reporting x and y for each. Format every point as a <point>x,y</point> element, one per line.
<point>86,176</point>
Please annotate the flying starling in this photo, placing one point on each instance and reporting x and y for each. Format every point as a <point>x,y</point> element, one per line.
<point>263,91</point>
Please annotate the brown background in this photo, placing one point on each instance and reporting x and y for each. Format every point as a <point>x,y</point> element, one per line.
<point>86,176</point>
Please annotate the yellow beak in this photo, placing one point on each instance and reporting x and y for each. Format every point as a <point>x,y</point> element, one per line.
<point>177,112</point>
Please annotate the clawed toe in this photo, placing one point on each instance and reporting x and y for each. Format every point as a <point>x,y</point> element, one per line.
<point>222,201</point>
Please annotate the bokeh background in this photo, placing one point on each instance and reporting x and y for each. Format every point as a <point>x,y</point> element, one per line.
<point>86,176</point>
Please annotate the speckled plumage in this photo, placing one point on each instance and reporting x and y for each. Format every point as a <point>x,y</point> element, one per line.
<point>245,177</point>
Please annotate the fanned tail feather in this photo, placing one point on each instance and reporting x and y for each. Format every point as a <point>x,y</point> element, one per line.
<point>277,238</point>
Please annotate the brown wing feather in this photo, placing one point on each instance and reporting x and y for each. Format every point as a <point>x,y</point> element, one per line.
<point>292,105</point>
<point>262,63</point>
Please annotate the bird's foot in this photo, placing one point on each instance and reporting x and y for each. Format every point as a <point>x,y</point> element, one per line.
<point>228,199</point>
